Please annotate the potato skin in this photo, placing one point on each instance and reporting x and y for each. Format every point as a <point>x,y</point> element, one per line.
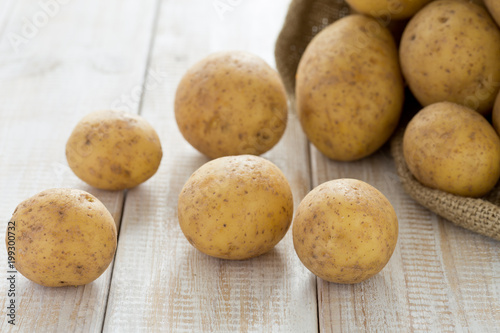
<point>450,51</point>
<point>496,114</point>
<point>231,103</point>
<point>113,150</point>
<point>345,231</point>
<point>349,89</point>
<point>236,207</point>
<point>63,237</point>
<point>388,9</point>
<point>494,9</point>
<point>454,149</point>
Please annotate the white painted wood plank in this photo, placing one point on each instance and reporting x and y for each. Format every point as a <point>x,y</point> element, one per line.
<point>82,58</point>
<point>441,278</point>
<point>92,55</point>
<point>160,282</point>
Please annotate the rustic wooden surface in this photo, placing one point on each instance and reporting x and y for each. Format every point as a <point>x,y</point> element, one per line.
<point>130,55</point>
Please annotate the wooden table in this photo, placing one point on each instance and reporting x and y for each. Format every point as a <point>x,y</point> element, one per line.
<point>62,61</point>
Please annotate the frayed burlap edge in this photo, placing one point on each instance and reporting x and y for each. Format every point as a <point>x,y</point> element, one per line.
<point>481,215</point>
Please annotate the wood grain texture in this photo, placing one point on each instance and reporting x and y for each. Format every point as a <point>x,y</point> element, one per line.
<point>441,278</point>
<point>97,54</point>
<point>80,59</point>
<point>160,282</point>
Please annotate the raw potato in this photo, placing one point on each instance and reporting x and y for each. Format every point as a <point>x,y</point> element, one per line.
<point>349,88</point>
<point>494,9</point>
<point>62,237</point>
<point>450,51</point>
<point>236,207</point>
<point>454,149</point>
<point>113,150</point>
<point>231,103</point>
<point>496,114</point>
<point>388,9</point>
<point>345,231</point>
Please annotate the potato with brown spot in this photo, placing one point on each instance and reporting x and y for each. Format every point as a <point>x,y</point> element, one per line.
<point>454,149</point>
<point>61,237</point>
<point>231,103</point>
<point>450,51</point>
<point>388,9</point>
<point>235,207</point>
<point>114,150</point>
<point>349,88</point>
<point>345,231</point>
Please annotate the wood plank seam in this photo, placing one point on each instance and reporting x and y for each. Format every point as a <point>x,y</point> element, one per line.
<point>150,53</point>
<point>154,27</point>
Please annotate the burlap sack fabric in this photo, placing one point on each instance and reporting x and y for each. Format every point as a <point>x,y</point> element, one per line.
<point>478,215</point>
<point>304,20</point>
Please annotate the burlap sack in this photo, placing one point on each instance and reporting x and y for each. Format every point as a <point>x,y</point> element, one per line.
<point>304,20</point>
<point>479,215</point>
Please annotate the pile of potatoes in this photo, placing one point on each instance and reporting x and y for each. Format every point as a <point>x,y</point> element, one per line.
<point>351,79</point>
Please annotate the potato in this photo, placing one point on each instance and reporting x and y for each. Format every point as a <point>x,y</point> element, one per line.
<point>113,150</point>
<point>236,207</point>
<point>450,51</point>
<point>61,237</point>
<point>345,231</point>
<point>494,9</point>
<point>388,9</point>
<point>496,114</point>
<point>231,103</point>
<point>454,149</point>
<point>349,88</point>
